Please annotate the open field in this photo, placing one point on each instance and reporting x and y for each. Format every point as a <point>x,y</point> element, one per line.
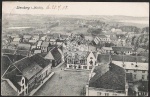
<point>71,84</point>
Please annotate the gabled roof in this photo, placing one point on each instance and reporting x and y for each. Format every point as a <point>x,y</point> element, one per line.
<point>37,51</point>
<point>103,58</point>
<point>122,48</point>
<point>113,37</point>
<point>16,39</point>
<point>7,90</point>
<point>107,48</point>
<point>64,36</point>
<point>40,60</point>
<point>33,41</point>
<point>27,36</point>
<point>31,70</point>
<point>39,43</point>
<point>112,79</point>
<point>23,46</point>
<point>5,63</point>
<point>132,65</point>
<point>14,57</point>
<point>129,58</point>
<point>8,51</point>
<point>22,52</point>
<point>102,36</point>
<point>45,44</point>
<point>54,54</point>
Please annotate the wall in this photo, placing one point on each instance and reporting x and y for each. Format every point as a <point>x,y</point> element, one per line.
<point>138,74</point>
<point>88,59</point>
<point>48,69</point>
<point>94,92</point>
<point>23,85</point>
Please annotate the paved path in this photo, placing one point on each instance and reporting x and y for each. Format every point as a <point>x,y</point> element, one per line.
<point>64,83</point>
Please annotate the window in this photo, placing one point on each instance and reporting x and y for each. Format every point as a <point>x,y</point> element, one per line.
<point>143,76</point>
<point>106,94</point>
<point>23,86</point>
<point>23,81</point>
<point>135,76</point>
<point>98,93</point>
<point>126,70</point>
<point>26,91</point>
<point>143,71</point>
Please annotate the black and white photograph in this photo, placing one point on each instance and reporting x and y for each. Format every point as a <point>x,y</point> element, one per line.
<point>74,48</point>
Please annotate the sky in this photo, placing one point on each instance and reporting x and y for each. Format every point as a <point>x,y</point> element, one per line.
<point>137,9</point>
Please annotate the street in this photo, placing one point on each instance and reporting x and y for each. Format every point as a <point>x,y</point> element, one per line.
<point>64,83</point>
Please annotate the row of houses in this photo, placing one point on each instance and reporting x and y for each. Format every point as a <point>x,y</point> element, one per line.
<point>118,40</point>
<point>25,75</point>
<point>128,75</point>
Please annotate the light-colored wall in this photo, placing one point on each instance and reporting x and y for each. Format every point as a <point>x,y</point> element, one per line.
<point>138,74</point>
<point>88,59</point>
<point>48,69</point>
<point>23,84</point>
<point>94,92</point>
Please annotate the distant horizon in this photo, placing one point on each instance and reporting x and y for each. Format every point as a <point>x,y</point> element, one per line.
<point>75,15</point>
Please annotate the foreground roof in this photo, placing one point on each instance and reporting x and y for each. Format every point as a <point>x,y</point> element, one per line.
<point>114,79</point>
<point>7,90</point>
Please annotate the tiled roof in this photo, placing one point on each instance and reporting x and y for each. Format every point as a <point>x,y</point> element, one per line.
<point>113,37</point>
<point>109,80</point>
<point>64,36</point>
<point>7,90</point>
<point>45,44</point>
<point>132,65</point>
<point>8,51</point>
<point>122,48</point>
<point>22,46</point>
<point>102,36</point>
<point>31,70</point>
<point>22,52</point>
<point>5,63</point>
<point>33,41</point>
<point>107,48</point>
<point>16,39</point>
<point>129,58</point>
<point>14,58</point>
<point>40,60</point>
<point>56,54</point>
<point>37,51</point>
<point>12,74</point>
<point>103,58</point>
<point>39,43</point>
<point>143,86</point>
<point>27,36</point>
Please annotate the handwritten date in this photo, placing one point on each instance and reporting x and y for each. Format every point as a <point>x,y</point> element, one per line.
<point>57,7</point>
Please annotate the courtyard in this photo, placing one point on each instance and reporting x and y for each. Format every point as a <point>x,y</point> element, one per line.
<point>64,83</point>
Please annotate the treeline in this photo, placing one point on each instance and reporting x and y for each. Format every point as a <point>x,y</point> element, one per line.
<point>130,29</point>
<point>146,29</point>
<point>95,32</point>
